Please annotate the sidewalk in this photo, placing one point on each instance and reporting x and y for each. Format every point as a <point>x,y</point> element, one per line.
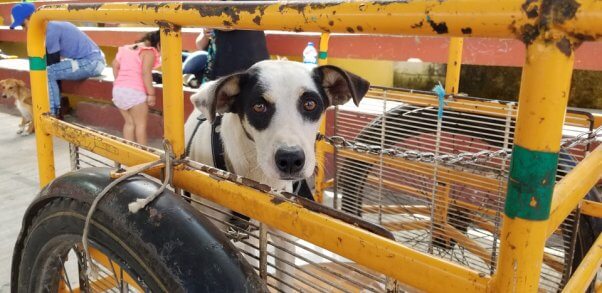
<point>18,185</point>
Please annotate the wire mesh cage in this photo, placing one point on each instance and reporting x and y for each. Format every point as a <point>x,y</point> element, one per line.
<point>445,196</point>
<point>286,263</point>
<point>450,207</point>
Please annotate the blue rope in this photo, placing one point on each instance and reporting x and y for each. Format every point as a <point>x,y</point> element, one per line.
<point>440,91</point>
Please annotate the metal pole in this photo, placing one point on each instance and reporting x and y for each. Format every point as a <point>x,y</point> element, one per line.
<point>173,97</point>
<point>543,100</point>
<point>320,152</point>
<point>36,38</point>
<point>263,251</point>
<point>454,64</point>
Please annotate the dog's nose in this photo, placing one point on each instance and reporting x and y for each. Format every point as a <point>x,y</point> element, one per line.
<point>290,160</point>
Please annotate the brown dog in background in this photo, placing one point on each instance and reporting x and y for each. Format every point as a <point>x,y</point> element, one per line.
<point>14,88</point>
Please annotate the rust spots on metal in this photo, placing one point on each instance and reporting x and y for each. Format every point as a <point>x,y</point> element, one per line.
<point>152,6</point>
<point>257,20</point>
<point>277,200</point>
<point>350,30</point>
<point>466,30</point>
<point>565,46</point>
<point>77,7</point>
<point>530,8</point>
<point>559,11</point>
<point>359,28</point>
<point>548,16</point>
<point>168,28</point>
<point>344,217</point>
<point>439,28</point>
<point>528,33</point>
<point>302,7</point>
<point>221,9</point>
<point>417,25</point>
<point>331,23</point>
<point>280,197</point>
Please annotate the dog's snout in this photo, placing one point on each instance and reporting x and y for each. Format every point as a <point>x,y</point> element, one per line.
<point>290,160</point>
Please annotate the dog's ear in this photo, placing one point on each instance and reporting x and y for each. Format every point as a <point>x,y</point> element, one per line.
<point>340,85</point>
<point>217,96</point>
<point>20,83</point>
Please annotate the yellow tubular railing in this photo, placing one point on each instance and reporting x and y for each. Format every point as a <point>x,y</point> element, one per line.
<point>573,187</point>
<point>496,19</point>
<point>548,33</point>
<point>320,180</point>
<point>542,105</point>
<point>380,254</point>
<point>454,65</point>
<point>173,96</point>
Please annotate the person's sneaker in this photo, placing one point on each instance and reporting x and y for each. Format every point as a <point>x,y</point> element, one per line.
<point>65,108</point>
<point>191,81</point>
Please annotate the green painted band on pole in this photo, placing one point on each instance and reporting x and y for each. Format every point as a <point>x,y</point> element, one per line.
<point>323,55</point>
<point>530,184</point>
<point>37,63</point>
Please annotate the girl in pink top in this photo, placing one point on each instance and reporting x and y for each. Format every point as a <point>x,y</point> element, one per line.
<point>133,90</point>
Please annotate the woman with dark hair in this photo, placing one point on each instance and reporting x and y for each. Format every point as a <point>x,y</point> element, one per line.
<point>133,90</point>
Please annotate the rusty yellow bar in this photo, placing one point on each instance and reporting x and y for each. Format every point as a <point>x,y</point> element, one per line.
<point>173,96</point>
<point>597,119</point>
<point>543,100</point>
<point>426,169</point>
<point>320,181</point>
<point>454,64</point>
<point>450,18</point>
<point>586,271</point>
<point>573,187</point>
<point>471,105</point>
<point>591,208</point>
<point>323,53</point>
<point>576,17</point>
<point>383,255</point>
<point>36,36</point>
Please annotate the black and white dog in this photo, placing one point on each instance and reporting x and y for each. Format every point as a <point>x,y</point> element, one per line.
<point>270,117</point>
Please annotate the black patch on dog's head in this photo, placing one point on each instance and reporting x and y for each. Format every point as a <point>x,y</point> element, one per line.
<point>252,93</point>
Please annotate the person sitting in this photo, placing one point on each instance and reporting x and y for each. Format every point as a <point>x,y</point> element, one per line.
<point>223,52</point>
<point>194,63</point>
<point>79,56</point>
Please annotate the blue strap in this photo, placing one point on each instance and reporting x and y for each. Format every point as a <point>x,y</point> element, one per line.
<point>440,91</point>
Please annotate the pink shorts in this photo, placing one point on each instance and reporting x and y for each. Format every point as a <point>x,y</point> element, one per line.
<point>125,98</point>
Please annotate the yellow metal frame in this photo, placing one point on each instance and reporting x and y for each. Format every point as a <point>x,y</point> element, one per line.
<point>542,107</point>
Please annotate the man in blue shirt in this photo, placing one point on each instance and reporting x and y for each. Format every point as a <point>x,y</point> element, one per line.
<point>79,56</point>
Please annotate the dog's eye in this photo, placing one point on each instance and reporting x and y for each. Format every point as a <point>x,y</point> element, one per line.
<point>310,105</point>
<point>260,108</point>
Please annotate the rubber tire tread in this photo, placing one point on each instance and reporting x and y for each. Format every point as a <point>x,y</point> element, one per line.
<point>65,216</point>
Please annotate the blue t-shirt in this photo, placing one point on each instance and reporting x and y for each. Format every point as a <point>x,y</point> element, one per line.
<point>70,42</point>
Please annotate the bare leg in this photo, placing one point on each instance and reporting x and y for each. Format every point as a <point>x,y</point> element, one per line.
<point>128,125</point>
<point>140,115</point>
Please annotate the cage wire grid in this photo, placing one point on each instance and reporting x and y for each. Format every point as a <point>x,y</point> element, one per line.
<point>286,263</point>
<point>450,211</point>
